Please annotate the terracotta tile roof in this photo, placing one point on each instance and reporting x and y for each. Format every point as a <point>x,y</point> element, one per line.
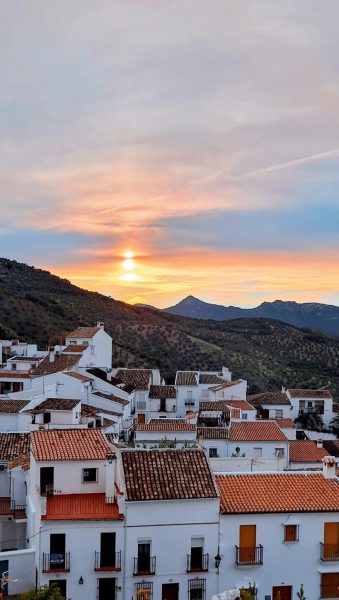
<point>83,332</point>
<point>269,398</point>
<point>278,493</point>
<point>12,406</point>
<point>12,445</point>
<point>139,378</point>
<point>57,404</point>
<point>162,392</point>
<point>225,384</point>
<point>69,444</point>
<point>167,474</point>
<point>103,375</point>
<point>61,362</point>
<point>23,460</point>
<point>181,420</point>
<point>285,423</point>
<point>212,433</point>
<point>332,447</point>
<point>111,397</point>
<point>74,348</point>
<point>186,378</point>
<point>164,425</point>
<point>240,404</point>
<point>92,411</point>
<point>206,378</point>
<point>256,431</point>
<point>306,451</point>
<point>212,406</point>
<point>309,393</point>
<point>78,376</point>
<point>15,374</point>
<point>74,507</point>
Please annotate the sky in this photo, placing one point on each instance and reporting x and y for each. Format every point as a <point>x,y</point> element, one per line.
<point>154,149</point>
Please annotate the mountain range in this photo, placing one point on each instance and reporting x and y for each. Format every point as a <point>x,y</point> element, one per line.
<point>322,317</point>
<point>38,306</point>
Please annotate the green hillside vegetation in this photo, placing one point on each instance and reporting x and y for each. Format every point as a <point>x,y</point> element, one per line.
<point>38,306</point>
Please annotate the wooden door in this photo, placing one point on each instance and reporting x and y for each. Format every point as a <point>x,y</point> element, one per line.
<point>282,592</point>
<point>329,585</point>
<point>247,542</point>
<point>141,418</point>
<point>107,549</point>
<point>331,540</point>
<point>57,550</point>
<point>170,591</point>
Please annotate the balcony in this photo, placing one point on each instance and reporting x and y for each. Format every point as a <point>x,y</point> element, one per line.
<point>329,552</point>
<point>189,402</point>
<point>144,565</point>
<point>56,563</point>
<point>249,556</point>
<point>107,563</point>
<point>197,564</point>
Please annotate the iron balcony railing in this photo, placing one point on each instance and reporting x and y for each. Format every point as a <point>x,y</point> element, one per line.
<point>329,552</point>
<point>249,556</point>
<point>197,564</point>
<point>104,562</point>
<point>144,565</point>
<point>52,563</point>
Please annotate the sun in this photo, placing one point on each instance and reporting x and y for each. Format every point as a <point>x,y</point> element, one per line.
<point>129,264</point>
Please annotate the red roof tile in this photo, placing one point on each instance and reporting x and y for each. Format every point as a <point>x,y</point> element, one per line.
<point>15,374</point>
<point>294,393</point>
<point>139,378</point>
<point>213,433</point>
<point>241,404</point>
<point>167,474</point>
<point>186,378</point>
<point>69,444</point>
<point>269,398</point>
<point>225,384</point>
<point>162,392</point>
<point>306,451</point>
<point>256,431</point>
<point>73,507</point>
<point>74,348</point>
<point>283,492</point>
<point>78,376</point>
<point>83,332</point>
<point>12,406</point>
<point>61,362</point>
<point>13,445</point>
<point>164,425</point>
<point>210,379</point>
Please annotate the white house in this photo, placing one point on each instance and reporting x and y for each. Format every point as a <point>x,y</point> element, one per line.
<point>172,525</point>
<point>75,523</point>
<point>278,531</point>
<point>306,454</point>
<point>177,433</point>
<point>272,405</point>
<point>162,401</point>
<point>319,402</point>
<point>95,344</point>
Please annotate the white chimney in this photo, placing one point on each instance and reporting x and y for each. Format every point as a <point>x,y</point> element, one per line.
<point>329,465</point>
<point>51,356</point>
<point>320,444</point>
<point>100,325</point>
<point>111,460</point>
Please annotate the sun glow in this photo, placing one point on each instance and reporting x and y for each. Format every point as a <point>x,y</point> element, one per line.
<point>129,264</point>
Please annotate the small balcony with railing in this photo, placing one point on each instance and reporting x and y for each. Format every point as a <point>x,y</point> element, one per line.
<point>197,564</point>
<point>144,565</point>
<point>329,552</point>
<point>249,556</point>
<point>56,563</point>
<point>107,562</point>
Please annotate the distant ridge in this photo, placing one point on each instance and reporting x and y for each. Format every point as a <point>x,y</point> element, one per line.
<point>313,315</point>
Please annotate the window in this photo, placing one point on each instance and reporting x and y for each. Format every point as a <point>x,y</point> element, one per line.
<point>47,417</point>
<point>197,589</point>
<point>244,416</point>
<point>13,366</point>
<point>257,452</point>
<point>73,342</point>
<point>279,452</point>
<point>213,453</point>
<point>329,585</point>
<point>291,533</point>
<point>279,413</point>
<point>143,590</point>
<point>91,350</point>
<point>89,475</point>
<point>310,404</point>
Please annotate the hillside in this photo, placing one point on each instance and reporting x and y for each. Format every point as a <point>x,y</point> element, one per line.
<point>36,305</point>
<point>322,317</point>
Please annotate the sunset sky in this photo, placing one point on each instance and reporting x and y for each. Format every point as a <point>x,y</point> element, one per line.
<point>155,149</point>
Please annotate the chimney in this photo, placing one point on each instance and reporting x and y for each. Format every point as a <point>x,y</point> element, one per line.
<point>100,325</point>
<point>51,356</point>
<point>320,444</point>
<point>329,465</point>
<point>111,460</point>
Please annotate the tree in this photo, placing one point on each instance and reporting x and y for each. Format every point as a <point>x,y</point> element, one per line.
<point>301,593</point>
<point>43,593</point>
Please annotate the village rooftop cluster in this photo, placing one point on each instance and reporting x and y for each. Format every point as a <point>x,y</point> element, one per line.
<point>118,486</point>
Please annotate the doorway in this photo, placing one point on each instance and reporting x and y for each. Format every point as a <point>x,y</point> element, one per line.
<point>46,480</point>
<point>170,591</point>
<point>282,592</point>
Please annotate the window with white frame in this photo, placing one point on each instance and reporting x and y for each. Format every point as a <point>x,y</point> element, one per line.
<point>257,452</point>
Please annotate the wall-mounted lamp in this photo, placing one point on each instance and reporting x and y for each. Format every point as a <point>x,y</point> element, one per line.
<point>81,580</point>
<point>217,560</point>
